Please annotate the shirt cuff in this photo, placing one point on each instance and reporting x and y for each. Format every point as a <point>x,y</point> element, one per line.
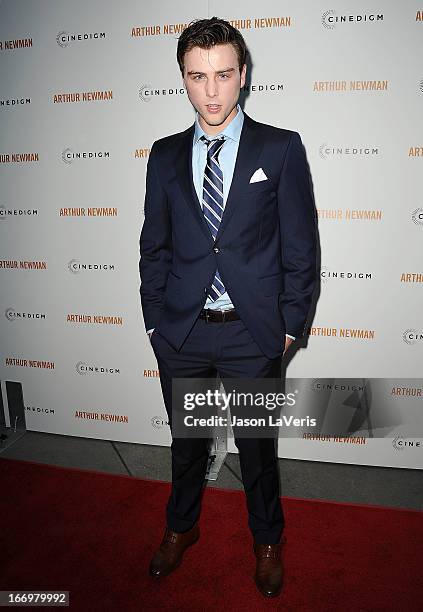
<point>150,330</point>
<point>289,336</point>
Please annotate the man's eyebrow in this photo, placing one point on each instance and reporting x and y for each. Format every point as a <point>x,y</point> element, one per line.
<point>226,70</point>
<point>217,71</point>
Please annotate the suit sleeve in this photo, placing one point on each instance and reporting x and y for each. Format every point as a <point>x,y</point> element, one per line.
<point>298,230</point>
<point>155,245</point>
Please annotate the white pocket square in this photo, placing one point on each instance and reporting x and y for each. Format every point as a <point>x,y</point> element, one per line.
<point>258,175</point>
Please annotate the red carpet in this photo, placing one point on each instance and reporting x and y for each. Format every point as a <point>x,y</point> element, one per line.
<point>93,534</point>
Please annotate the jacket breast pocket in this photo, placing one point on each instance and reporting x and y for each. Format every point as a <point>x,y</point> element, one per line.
<point>270,285</point>
<point>266,187</point>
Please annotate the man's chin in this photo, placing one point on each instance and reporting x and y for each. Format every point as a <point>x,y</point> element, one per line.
<point>213,119</point>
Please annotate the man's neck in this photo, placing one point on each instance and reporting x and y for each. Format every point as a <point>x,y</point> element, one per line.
<point>216,129</point>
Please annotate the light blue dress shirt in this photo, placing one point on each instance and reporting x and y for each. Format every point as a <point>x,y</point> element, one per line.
<point>227,158</point>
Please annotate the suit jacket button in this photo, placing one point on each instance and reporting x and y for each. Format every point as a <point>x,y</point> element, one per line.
<point>216,249</point>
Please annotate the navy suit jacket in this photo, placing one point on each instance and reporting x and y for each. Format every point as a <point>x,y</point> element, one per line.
<point>265,248</point>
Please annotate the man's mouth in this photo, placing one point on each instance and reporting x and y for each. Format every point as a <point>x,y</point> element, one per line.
<point>213,108</point>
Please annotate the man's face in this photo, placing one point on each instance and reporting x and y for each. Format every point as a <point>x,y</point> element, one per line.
<point>213,81</point>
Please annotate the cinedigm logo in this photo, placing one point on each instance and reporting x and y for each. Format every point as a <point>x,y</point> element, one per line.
<point>81,368</point>
<point>158,422</point>
<point>401,444</point>
<point>62,39</point>
<point>73,266</point>
<point>323,277</point>
<point>398,443</point>
<point>410,336</point>
<point>417,216</point>
<point>67,155</point>
<point>142,93</point>
<point>327,19</point>
<point>322,150</point>
<point>10,314</point>
<point>331,18</point>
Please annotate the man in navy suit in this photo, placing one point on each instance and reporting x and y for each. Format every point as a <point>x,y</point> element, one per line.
<point>228,269</point>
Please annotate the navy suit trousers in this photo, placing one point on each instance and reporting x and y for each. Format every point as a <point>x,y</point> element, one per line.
<point>226,350</point>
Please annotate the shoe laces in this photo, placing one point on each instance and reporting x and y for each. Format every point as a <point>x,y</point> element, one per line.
<point>268,551</point>
<point>169,538</point>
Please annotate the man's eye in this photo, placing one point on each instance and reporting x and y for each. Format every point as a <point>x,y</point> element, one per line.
<point>197,77</point>
<point>224,76</point>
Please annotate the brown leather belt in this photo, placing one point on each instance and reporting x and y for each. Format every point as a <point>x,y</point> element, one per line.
<point>218,316</point>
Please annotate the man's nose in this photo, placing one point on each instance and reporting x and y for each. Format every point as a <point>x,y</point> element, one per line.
<point>211,88</point>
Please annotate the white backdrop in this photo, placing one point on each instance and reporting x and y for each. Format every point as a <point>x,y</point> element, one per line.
<point>86,88</point>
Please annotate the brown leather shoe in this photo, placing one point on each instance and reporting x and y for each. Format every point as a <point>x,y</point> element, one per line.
<point>269,569</point>
<point>169,555</point>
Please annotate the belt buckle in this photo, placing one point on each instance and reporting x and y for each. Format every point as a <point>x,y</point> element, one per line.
<point>207,315</point>
<point>223,315</point>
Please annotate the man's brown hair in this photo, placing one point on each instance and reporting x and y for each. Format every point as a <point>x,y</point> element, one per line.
<point>205,33</point>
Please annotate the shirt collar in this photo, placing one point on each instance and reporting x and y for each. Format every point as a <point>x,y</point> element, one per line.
<point>232,130</point>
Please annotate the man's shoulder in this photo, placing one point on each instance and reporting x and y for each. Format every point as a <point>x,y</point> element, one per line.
<point>272,131</point>
<point>167,142</point>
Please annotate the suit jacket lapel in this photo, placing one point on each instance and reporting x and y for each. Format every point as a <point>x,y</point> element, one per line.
<point>249,150</point>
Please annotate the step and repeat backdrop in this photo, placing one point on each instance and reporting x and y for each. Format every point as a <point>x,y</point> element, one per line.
<point>86,88</point>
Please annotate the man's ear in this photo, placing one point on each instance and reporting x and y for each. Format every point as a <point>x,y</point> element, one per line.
<point>243,75</point>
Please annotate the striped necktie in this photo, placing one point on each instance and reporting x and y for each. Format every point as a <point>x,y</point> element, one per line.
<point>213,201</point>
